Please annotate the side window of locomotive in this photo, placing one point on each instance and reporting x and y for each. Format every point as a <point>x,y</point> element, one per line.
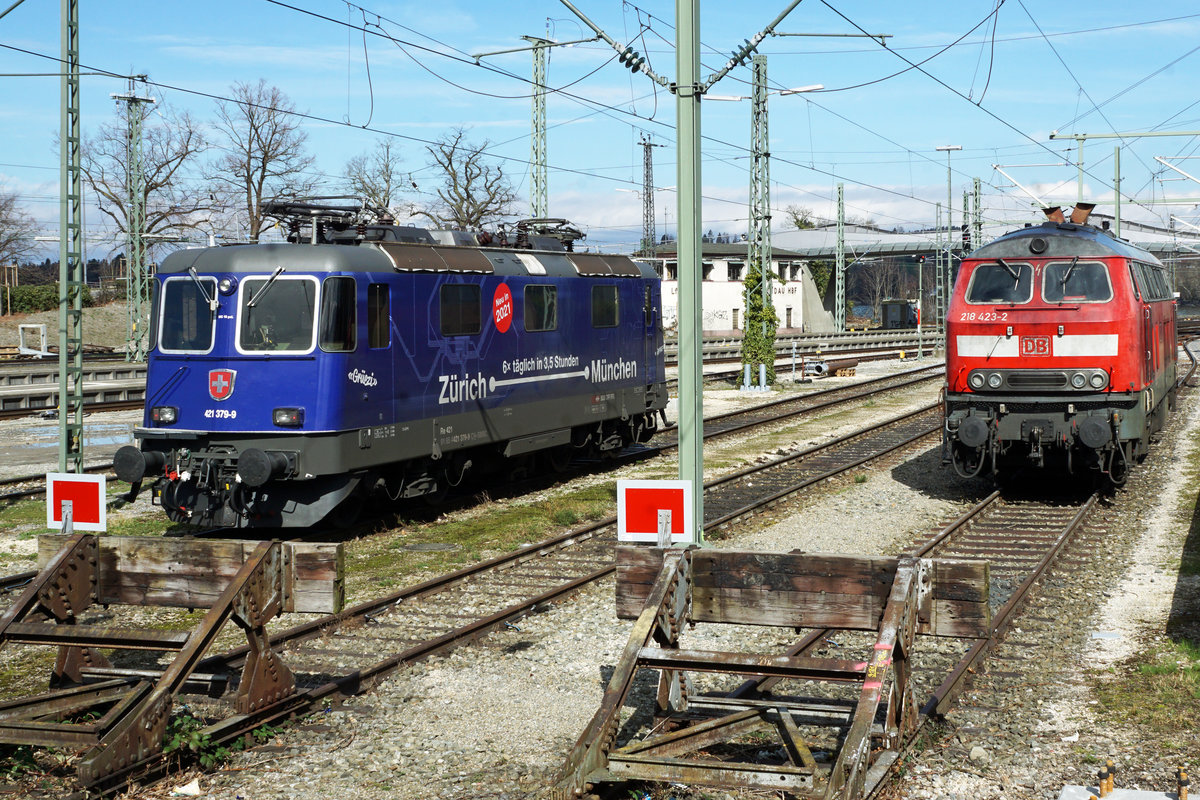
<point>604,307</point>
<point>379,329</point>
<point>186,318</point>
<point>1159,290</point>
<point>461,309</point>
<point>155,296</point>
<point>277,314</point>
<point>1001,283</point>
<point>1076,282</point>
<point>541,308</point>
<point>338,329</point>
<point>1139,281</point>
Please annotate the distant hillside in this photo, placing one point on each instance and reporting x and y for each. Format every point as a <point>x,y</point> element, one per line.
<point>106,325</point>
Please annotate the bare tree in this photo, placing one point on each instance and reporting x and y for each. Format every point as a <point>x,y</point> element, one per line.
<point>473,190</point>
<point>376,176</point>
<point>264,149</point>
<point>876,281</point>
<point>16,229</point>
<point>170,150</point>
<point>798,217</point>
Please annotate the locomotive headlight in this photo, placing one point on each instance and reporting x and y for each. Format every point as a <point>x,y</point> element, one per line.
<point>288,417</point>
<point>227,285</point>
<point>994,380</point>
<point>1098,380</point>
<point>1078,380</point>
<point>164,415</point>
<point>976,380</point>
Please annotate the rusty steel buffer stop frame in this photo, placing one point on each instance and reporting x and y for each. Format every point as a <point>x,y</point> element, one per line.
<point>119,715</point>
<point>864,707</point>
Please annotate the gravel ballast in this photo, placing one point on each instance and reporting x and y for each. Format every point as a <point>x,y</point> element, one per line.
<point>497,719</point>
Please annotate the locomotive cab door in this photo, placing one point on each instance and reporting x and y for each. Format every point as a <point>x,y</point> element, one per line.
<point>1142,290</point>
<point>652,338</point>
<point>1148,344</point>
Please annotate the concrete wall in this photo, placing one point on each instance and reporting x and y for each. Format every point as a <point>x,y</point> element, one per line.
<point>723,299</point>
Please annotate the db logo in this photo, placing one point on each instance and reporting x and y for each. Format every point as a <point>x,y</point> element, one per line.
<point>502,308</point>
<point>1035,345</point>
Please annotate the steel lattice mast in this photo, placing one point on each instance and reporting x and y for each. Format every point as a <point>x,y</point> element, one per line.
<point>839,269</point>
<point>71,276</point>
<point>538,178</point>
<point>137,281</point>
<point>649,236</point>
<point>759,234</point>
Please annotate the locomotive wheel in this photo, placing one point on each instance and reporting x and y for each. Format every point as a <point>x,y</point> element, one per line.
<point>346,513</point>
<point>559,458</point>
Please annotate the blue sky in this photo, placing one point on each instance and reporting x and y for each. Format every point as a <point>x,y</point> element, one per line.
<point>995,83</point>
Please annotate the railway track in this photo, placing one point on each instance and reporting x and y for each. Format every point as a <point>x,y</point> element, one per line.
<point>559,566</point>
<point>344,650</point>
<point>715,426</point>
<point>31,387</point>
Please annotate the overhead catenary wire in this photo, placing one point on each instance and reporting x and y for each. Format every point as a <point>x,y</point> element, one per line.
<point>834,172</point>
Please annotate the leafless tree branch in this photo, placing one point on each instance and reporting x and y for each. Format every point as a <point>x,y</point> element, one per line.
<point>263,146</point>
<point>474,191</point>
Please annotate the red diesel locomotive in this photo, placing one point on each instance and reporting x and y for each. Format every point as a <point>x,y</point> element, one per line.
<point>1060,349</point>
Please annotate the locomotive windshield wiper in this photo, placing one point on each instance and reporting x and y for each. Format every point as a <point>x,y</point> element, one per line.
<point>1016,275</point>
<point>1067,275</point>
<point>212,301</point>
<point>254,300</point>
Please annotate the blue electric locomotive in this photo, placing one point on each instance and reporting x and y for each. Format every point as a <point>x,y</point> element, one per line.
<point>288,382</point>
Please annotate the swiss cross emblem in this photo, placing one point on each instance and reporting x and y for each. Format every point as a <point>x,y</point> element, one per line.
<point>220,383</point>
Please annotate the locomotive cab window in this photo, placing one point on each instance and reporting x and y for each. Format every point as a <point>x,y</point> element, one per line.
<point>604,307</point>
<point>1076,282</point>
<point>1000,282</point>
<point>379,329</point>
<point>186,318</point>
<point>339,320</point>
<point>541,308</point>
<point>1151,281</point>
<point>461,309</point>
<point>277,313</point>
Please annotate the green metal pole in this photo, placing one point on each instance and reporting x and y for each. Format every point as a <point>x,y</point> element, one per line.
<point>691,398</point>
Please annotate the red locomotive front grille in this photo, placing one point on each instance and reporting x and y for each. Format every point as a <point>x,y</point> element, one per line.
<point>1037,379</point>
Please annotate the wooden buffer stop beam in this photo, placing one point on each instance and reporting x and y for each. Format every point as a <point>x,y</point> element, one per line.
<point>837,723</point>
<point>119,716</point>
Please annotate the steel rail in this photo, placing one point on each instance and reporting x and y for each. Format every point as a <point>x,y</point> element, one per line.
<point>16,581</point>
<point>809,481</point>
<point>362,678</point>
<point>905,379</point>
<point>944,695</point>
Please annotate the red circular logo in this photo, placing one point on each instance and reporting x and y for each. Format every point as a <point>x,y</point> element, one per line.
<point>502,308</point>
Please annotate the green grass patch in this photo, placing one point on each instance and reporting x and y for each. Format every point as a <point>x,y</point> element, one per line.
<point>396,558</point>
<point>1157,689</point>
<point>20,513</point>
